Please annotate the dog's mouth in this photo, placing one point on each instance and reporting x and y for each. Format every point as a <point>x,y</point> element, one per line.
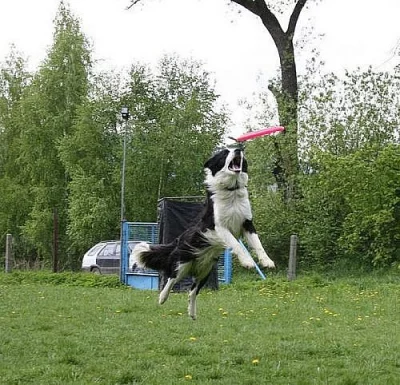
<point>236,164</point>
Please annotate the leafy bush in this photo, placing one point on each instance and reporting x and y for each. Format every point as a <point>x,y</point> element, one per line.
<point>352,206</point>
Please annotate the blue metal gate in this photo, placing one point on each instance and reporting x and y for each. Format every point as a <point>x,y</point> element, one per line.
<point>149,279</point>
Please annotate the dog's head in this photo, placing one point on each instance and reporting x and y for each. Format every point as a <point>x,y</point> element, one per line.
<point>227,169</point>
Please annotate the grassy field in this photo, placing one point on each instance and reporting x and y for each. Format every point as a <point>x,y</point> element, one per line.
<point>81,329</point>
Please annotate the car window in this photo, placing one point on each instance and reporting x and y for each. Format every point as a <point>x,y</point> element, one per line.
<point>95,249</point>
<point>131,245</point>
<point>118,249</point>
<point>108,250</point>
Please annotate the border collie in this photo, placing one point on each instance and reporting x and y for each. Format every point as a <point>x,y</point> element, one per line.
<point>225,217</point>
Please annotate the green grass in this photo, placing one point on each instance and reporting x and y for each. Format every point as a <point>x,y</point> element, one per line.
<point>81,329</point>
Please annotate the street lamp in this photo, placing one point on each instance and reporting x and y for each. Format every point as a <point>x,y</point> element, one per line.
<point>125,116</point>
<point>123,267</point>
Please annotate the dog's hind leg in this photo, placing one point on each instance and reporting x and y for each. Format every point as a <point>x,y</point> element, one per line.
<point>165,291</point>
<point>194,291</point>
<point>192,302</point>
<point>181,272</point>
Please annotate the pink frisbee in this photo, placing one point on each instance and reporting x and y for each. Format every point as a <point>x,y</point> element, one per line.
<point>262,132</point>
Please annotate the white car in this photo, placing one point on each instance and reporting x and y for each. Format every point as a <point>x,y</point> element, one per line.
<point>104,257</point>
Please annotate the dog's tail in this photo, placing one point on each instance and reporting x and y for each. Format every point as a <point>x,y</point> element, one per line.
<point>152,256</point>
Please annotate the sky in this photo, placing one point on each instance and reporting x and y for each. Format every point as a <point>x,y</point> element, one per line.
<point>234,47</point>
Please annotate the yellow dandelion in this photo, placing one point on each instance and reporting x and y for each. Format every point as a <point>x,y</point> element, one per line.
<point>255,361</point>
<point>225,313</point>
<point>188,377</point>
<point>192,338</point>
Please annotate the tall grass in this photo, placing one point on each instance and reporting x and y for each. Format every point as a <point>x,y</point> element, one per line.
<point>84,329</point>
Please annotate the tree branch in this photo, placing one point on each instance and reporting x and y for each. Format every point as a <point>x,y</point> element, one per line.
<point>295,17</point>
<point>260,8</point>
<point>248,4</point>
<point>133,2</point>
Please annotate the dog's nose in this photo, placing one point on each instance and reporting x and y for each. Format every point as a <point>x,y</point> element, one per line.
<point>238,152</point>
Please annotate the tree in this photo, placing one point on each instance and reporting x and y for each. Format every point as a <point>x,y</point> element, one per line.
<point>285,89</point>
<point>14,197</point>
<point>175,126</point>
<point>340,114</point>
<point>351,208</point>
<point>350,148</point>
<point>349,126</point>
<point>91,158</point>
<point>48,110</point>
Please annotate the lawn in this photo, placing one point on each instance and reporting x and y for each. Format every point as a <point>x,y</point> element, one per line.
<point>82,329</point>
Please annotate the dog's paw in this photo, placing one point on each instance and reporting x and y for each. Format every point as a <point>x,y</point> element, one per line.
<point>248,263</point>
<point>162,298</point>
<point>193,316</point>
<point>267,263</point>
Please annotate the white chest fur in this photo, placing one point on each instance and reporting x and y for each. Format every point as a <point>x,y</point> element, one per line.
<point>231,209</point>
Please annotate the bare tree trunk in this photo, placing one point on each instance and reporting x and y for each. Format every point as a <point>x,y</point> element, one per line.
<point>286,93</point>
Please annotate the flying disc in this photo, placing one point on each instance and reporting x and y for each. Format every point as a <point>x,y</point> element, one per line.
<point>262,132</point>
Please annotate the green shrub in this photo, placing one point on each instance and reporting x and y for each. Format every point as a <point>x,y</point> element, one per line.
<point>352,207</point>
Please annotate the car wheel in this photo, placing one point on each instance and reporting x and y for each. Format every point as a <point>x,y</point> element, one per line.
<point>96,270</point>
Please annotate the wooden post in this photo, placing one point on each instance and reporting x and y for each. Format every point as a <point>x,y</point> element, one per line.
<point>9,258</point>
<point>55,241</point>
<point>292,258</point>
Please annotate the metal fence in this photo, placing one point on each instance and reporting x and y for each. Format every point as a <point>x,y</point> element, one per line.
<point>148,232</point>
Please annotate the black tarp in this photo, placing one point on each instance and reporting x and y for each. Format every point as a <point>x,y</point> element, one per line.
<point>175,215</point>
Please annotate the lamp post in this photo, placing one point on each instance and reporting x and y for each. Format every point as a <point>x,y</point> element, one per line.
<point>123,267</point>
<point>125,116</point>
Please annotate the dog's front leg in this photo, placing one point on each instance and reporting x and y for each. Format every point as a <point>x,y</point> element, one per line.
<point>254,243</point>
<point>231,242</point>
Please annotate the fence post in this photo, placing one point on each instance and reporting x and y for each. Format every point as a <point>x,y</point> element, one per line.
<point>55,241</point>
<point>8,253</point>
<point>292,258</point>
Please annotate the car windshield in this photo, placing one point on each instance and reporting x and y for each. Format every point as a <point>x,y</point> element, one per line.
<point>108,250</point>
<point>95,249</point>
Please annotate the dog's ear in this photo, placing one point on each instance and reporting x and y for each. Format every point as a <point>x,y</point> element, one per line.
<point>208,163</point>
<point>217,162</point>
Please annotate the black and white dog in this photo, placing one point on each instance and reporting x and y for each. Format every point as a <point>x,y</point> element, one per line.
<point>225,217</point>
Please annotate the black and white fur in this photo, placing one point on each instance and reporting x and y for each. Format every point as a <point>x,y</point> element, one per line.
<point>225,217</point>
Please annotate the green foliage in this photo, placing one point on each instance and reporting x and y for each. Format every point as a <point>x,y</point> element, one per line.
<point>91,158</point>
<point>61,144</point>
<point>176,125</point>
<point>352,207</point>
<point>48,110</point>
<point>346,205</point>
<point>342,114</point>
